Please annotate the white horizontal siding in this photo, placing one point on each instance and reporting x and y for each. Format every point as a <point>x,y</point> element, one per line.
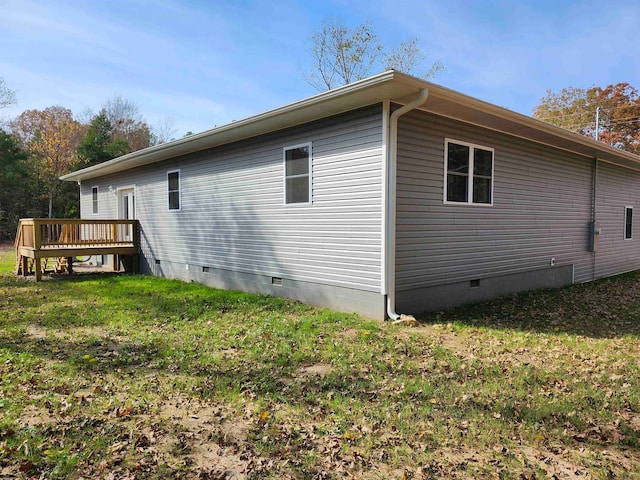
<point>541,208</point>
<point>233,214</point>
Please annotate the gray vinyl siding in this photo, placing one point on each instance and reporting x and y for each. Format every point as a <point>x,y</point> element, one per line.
<point>541,208</point>
<point>233,215</point>
<point>617,188</point>
<point>107,205</point>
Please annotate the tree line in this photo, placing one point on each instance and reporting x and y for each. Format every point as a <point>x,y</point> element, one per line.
<point>576,109</point>
<point>38,146</point>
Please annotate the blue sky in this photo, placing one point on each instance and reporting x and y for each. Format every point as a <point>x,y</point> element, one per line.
<point>205,63</point>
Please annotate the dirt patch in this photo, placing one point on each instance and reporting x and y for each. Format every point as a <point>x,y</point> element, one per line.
<point>36,332</point>
<point>33,416</point>
<point>348,334</point>
<point>484,348</point>
<point>318,370</point>
<point>553,464</point>
<point>211,441</point>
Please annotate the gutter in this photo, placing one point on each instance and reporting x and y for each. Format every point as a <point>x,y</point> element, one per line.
<point>390,200</point>
<point>343,98</point>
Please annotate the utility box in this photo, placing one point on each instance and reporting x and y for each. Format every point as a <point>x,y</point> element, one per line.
<point>594,234</point>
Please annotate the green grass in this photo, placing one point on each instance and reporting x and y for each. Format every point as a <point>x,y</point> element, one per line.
<point>152,378</point>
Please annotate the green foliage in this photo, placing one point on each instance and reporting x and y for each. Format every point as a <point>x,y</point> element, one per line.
<point>99,144</point>
<point>127,124</point>
<point>16,200</point>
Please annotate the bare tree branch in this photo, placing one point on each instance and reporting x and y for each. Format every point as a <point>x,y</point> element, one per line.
<point>7,96</point>
<point>341,55</point>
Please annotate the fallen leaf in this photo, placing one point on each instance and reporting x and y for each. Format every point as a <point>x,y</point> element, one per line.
<point>123,412</point>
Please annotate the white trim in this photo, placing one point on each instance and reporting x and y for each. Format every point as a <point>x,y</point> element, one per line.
<point>97,202</point>
<point>169,209</point>
<point>470,175</point>
<point>309,146</point>
<point>119,191</point>
<point>386,111</point>
<point>624,230</point>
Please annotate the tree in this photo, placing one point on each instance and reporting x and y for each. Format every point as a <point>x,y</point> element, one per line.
<point>7,96</point>
<point>342,55</point>
<point>51,136</point>
<point>127,123</point>
<point>408,57</point>
<point>16,198</point>
<point>164,131</point>
<point>575,109</point>
<point>99,144</point>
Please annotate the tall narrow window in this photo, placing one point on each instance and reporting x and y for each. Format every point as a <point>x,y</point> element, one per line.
<point>297,173</point>
<point>628,222</point>
<point>173,185</point>
<point>94,199</point>
<point>469,173</point>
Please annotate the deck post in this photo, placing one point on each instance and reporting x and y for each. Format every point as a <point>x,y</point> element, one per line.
<point>37,235</point>
<point>38,269</point>
<point>25,265</point>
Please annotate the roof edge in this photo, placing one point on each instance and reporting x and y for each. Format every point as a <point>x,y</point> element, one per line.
<point>391,85</point>
<point>198,141</point>
<point>527,120</point>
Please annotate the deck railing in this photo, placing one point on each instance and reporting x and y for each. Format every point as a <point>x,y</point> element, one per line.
<point>43,233</point>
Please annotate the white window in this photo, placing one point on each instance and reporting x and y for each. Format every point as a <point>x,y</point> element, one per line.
<point>94,200</point>
<point>468,172</point>
<point>628,222</point>
<point>297,173</point>
<point>173,189</point>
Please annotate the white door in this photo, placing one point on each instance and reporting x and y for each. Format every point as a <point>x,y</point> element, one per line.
<point>127,210</point>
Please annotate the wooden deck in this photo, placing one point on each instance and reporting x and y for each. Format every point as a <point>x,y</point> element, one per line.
<point>63,239</point>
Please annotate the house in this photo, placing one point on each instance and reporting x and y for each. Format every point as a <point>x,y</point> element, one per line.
<point>389,195</point>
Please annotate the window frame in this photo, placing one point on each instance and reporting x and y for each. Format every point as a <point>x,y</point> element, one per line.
<point>95,203</point>
<point>309,174</point>
<point>169,209</point>
<point>471,147</point>
<point>628,209</point>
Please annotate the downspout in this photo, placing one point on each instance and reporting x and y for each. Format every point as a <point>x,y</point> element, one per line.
<point>594,200</point>
<point>392,168</point>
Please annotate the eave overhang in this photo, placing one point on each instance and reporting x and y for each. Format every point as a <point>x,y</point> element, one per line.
<point>390,85</point>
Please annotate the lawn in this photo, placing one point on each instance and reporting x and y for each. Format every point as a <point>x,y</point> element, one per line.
<point>131,376</point>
